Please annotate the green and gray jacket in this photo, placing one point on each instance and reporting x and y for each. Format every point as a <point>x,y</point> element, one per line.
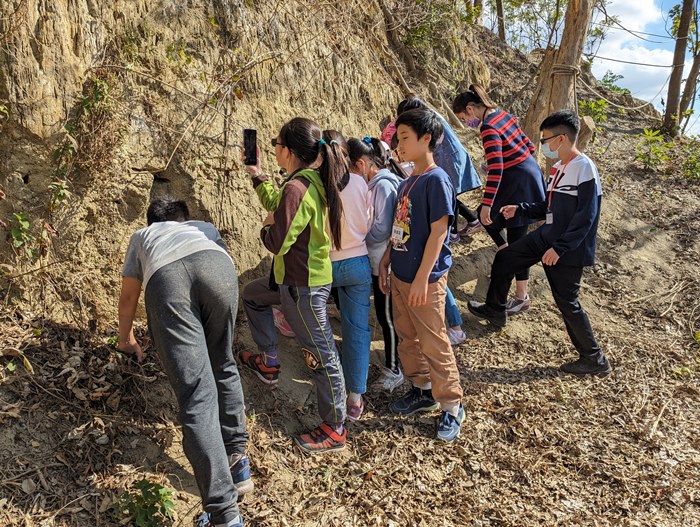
<point>298,238</point>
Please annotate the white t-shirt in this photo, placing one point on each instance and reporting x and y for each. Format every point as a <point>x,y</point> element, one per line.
<point>165,242</point>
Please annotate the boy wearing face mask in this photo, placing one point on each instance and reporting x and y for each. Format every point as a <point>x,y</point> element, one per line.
<point>565,243</point>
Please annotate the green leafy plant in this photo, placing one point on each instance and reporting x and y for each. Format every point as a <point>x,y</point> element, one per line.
<point>610,79</point>
<point>59,190</point>
<point>652,149</point>
<point>4,113</point>
<point>690,154</point>
<point>150,505</point>
<point>176,52</point>
<point>598,110</point>
<point>22,238</point>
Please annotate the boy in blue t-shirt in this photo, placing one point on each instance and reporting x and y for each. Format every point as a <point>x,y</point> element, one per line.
<point>420,259</point>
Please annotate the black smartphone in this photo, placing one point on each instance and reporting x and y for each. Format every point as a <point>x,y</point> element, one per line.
<point>250,146</point>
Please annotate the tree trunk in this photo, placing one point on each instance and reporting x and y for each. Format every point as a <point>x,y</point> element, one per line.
<point>501,21</point>
<point>690,85</point>
<point>557,80</point>
<point>479,19</point>
<point>394,38</point>
<point>673,101</point>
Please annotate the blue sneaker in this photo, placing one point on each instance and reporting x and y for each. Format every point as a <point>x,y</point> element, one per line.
<point>240,472</point>
<point>205,521</point>
<point>416,400</point>
<point>449,425</point>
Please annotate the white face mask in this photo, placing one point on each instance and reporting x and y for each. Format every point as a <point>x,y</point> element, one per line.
<point>548,152</point>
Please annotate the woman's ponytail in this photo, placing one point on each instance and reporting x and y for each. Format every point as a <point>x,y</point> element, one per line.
<point>335,175</point>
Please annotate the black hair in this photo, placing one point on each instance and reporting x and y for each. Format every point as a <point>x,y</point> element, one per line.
<point>339,146</point>
<point>563,122</point>
<point>303,138</point>
<point>422,122</point>
<point>411,102</point>
<point>474,95</point>
<point>167,209</point>
<point>376,151</point>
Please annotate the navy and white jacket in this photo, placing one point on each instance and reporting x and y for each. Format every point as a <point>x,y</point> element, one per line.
<point>575,205</point>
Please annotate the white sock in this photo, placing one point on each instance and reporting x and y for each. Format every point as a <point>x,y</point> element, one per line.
<point>450,408</point>
<point>426,386</point>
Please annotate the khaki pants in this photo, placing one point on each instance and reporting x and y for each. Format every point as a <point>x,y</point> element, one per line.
<point>424,349</point>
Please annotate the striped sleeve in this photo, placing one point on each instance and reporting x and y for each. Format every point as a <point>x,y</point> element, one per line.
<point>493,150</point>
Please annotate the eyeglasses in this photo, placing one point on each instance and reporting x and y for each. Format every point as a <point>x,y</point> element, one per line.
<point>545,139</point>
<point>275,142</point>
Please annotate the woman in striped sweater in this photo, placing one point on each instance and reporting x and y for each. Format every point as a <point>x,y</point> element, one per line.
<point>513,175</point>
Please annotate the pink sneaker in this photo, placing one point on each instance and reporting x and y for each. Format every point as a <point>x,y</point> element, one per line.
<point>281,323</point>
<point>355,410</point>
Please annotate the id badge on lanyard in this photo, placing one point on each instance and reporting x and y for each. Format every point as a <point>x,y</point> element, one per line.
<point>397,238</point>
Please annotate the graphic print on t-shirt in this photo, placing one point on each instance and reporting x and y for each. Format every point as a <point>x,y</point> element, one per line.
<point>401,231</point>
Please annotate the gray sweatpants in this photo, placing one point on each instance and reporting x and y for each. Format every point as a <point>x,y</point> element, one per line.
<point>191,306</point>
<point>258,300</point>
<point>305,310</point>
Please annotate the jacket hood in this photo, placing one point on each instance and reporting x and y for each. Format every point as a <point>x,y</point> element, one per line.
<point>313,177</point>
<point>384,175</point>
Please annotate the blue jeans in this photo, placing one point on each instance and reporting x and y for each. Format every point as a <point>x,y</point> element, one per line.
<point>451,310</point>
<point>353,279</point>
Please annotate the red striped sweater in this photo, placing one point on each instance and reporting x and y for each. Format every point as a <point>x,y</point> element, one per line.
<point>505,145</point>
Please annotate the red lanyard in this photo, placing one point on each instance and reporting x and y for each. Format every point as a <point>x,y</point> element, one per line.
<point>559,173</point>
<point>406,193</point>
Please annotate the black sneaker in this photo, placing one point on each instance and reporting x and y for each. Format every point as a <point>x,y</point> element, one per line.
<point>583,366</point>
<point>416,400</point>
<point>497,318</point>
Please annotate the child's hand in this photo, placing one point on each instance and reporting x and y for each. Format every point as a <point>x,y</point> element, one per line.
<point>509,211</point>
<point>485,216</point>
<point>550,257</point>
<point>270,220</point>
<point>418,293</point>
<point>132,348</point>
<point>384,284</point>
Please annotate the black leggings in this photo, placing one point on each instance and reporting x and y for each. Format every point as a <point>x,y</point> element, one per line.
<point>513,234</point>
<point>465,212</point>
<point>382,305</point>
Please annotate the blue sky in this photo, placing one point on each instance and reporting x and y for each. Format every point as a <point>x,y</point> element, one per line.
<point>648,16</point>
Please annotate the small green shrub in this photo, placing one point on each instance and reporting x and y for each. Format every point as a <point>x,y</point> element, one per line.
<point>22,238</point>
<point>148,506</point>
<point>652,149</point>
<point>609,80</point>
<point>598,110</point>
<point>691,158</point>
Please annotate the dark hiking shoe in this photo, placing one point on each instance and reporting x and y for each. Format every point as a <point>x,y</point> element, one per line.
<point>416,400</point>
<point>204,520</point>
<point>583,366</point>
<point>256,362</point>
<point>239,464</point>
<point>497,318</point>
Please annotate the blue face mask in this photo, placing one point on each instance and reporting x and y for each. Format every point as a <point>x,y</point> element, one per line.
<point>548,152</point>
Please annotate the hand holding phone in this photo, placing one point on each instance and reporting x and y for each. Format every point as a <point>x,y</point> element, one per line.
<point>250,146</point>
